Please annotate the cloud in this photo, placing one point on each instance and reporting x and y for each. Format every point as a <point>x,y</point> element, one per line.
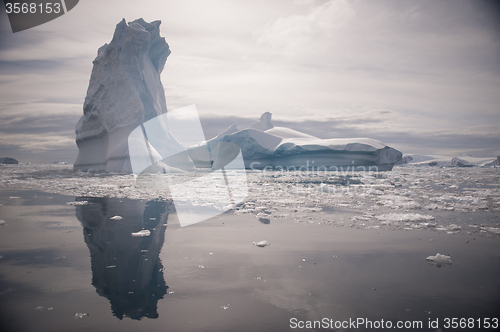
<point>301,31</point>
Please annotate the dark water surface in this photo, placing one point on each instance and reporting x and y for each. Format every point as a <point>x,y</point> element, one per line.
<point>60,259</point>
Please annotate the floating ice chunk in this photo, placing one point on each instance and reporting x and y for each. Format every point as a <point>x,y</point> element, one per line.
<point>78,203</point>
<point>2,222</point>
<point>404,217</point>
<point>39,307</point>
<point>110,266</point>
<point>225,307</point>
<point>495,230</point>
<point>439,260</point>
<point>116,218</point>
<point>80,315</point>
<point>144,232</point>
<point>261,244</point>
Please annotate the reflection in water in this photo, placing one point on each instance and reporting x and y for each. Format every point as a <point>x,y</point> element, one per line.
<point>127,270</point>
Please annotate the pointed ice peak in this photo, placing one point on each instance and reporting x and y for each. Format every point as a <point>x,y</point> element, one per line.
<point>264,122</point>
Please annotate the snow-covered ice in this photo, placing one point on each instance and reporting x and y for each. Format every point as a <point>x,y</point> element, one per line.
<point>261,244</point>
<point>267,146</point>
<point>439,259</point>
<point>141,233</point>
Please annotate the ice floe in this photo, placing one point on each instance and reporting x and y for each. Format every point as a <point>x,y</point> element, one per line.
<point>144,232</point>
<point>261,244</point>
<point>439,260</point>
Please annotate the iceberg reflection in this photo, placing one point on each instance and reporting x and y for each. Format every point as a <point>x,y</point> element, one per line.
<point>126,269</point>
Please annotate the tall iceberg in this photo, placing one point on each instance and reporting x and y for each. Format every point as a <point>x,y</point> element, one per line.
<point>124,92</point>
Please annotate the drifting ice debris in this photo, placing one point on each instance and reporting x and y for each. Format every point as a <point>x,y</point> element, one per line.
<point>439,260</point>
<point>80,315</point>
<point>404,217</point>
<point>225,307</point>
<point>261,244</point>
<point>491,229</point>
<point>116,218</point>
<point>144,232</point>
<point>2,222</point>
<point>78,203</point>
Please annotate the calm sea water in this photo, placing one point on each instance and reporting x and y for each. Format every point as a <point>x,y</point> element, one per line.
<point>75,268</point>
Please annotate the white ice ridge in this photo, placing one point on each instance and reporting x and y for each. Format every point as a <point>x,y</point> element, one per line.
<point>124,91</point>
<point>265,145</point>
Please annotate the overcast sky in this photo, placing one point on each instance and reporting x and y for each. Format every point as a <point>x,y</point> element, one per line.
<point>421,76</point>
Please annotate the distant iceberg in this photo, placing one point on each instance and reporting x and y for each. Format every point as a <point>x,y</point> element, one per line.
<point>463,160</point>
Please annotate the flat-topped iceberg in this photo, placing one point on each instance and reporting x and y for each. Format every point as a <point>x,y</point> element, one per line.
<point>265,145</point>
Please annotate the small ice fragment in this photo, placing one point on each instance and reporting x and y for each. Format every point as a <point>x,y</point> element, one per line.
<point>211,253</point>
<point>152,218</point>
<point>201,266</point>
<point>225,307</point>
<point>2,222</point>
<point>116,218</point>
<point>488,229</point>
<point>439,260</point>
<point>144,232</point>
<point>258,278</point>
<point>110,266</point>
<point>60,257</point>
<point>13,197</point>
<point>80,315</point>
<point>39,308</point>
<point>172,292</point>
<point>78,203</point>
<point>261,244</point>
<point>303,259</point>
<point>145,250</point>
<point>50,308</point>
